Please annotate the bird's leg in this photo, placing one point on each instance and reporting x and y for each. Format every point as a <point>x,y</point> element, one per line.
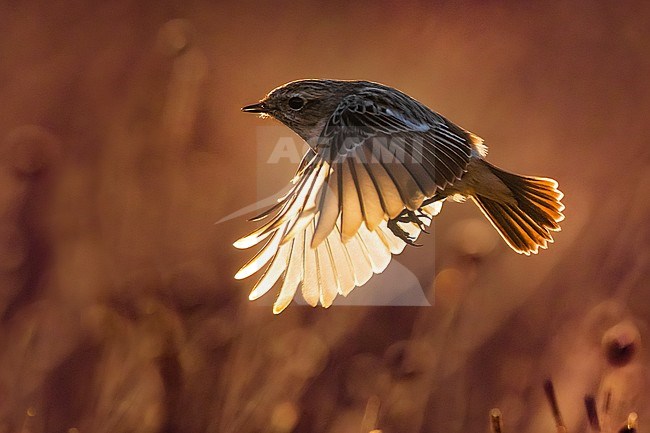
<point>414,217</point>
<point>401,233</point>
<point>419,217</point>
<point>433,199</point>
<point>409,216</point>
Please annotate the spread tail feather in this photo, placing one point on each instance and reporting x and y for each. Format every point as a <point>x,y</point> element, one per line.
<point>527,225</point>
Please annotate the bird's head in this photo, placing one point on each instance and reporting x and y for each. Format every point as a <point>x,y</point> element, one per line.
<point>304,105</point>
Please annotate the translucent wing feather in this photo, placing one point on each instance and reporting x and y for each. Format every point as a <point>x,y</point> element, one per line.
<point>329,234</point>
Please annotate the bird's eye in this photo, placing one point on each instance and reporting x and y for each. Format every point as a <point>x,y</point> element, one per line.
<point>296,102</point>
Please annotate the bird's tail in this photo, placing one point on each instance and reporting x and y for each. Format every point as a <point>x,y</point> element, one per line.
<point>526,222</point>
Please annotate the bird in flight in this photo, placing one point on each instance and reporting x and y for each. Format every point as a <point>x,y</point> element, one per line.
<point>379,166</point>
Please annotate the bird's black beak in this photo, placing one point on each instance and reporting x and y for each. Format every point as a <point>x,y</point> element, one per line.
<point>260,107</point>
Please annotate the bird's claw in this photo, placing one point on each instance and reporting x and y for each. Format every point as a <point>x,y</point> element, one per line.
<point>413,217</point>
<point>410,216</point>
<point>401,233</point>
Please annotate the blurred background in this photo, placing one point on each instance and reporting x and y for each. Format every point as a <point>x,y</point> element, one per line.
<point>121,143</point>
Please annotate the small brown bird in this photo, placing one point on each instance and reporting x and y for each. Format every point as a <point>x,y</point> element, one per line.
<point>379,167</point>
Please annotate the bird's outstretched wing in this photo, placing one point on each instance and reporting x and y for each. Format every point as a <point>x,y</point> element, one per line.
<point>329,234</point>
<point>384,160</point>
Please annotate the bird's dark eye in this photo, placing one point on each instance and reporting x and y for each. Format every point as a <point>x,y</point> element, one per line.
<point>296,102</point>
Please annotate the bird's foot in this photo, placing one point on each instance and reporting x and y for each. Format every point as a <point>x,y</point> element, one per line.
<point>409,216</point>
<point>401,233</point>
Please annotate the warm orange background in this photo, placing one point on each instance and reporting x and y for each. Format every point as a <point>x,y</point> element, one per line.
<point>121,144</point>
